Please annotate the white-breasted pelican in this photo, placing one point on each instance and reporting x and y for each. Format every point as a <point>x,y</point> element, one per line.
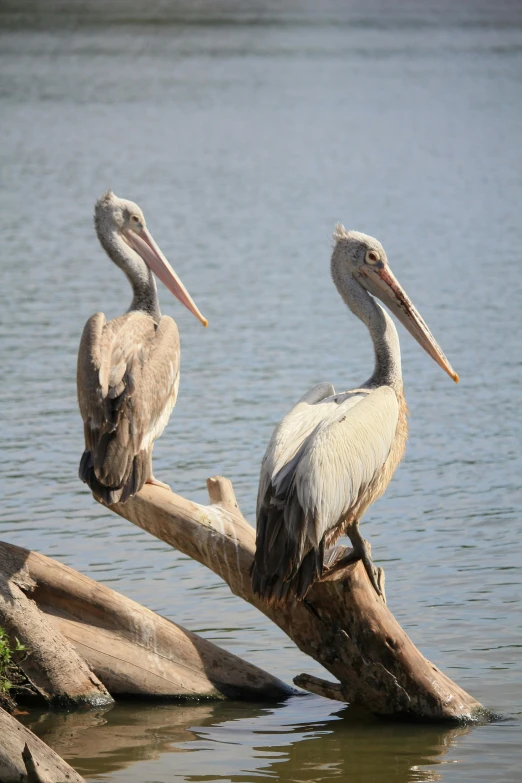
<point>334,454</point>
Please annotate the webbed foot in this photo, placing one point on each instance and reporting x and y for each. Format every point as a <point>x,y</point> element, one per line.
<point>340,556</point>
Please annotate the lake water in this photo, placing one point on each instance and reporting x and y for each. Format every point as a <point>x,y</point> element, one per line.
<point>245,130</point>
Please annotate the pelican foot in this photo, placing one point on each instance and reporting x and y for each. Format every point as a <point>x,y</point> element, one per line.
<point>156,483</point>
<point>380,581</point>
<point>362,551</point>
<point>338,557</point>
<point>371,570</point>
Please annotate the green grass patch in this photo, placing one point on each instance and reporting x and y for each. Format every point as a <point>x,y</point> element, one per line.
<point>10,674</point>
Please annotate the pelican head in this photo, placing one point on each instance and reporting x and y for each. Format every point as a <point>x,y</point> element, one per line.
<point>118,220</point>
<point>363,258</point>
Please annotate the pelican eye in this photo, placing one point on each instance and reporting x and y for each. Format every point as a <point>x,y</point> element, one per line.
<point>372,257</point>
<point>135,218</point>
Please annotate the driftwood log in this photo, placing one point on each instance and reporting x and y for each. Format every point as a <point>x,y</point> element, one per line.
<point>52,666</point>
<point>24,757</point>
<point>71,623</point>
<point>342,624</point>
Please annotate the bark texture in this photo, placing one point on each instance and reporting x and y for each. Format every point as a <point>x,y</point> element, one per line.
<point>343,624</point>
<point>24,757</point>
<point>113,640</point>
<point>52,665</point>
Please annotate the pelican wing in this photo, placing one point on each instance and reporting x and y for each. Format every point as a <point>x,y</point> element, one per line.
<point>342,458</point>
<point>128,377</point>
<point>314,408</point>
<point>290,433</point>
<point>320,460</point>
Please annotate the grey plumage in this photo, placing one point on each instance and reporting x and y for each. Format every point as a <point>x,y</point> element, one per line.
<point>128,377</point>
<point>128,368</point>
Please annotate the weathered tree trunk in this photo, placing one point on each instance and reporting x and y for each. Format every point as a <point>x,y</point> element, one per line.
<point>24,757</point>
<point>53,667</point>
<point>132,650</point>
<point>343,624</point>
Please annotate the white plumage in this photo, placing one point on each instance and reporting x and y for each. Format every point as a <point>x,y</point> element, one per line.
<point>334,454</point>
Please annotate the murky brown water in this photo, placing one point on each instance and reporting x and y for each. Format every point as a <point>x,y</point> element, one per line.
<point>245,131</point>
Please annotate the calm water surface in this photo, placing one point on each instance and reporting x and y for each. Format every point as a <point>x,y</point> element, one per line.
<point>245,132</point>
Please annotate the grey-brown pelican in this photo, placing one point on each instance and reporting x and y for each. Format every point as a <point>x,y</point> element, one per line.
<point>128,368</point>
<point>334,454</point>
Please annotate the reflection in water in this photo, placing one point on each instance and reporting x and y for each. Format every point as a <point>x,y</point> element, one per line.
<point>244,743</point>
<point>112,738</point>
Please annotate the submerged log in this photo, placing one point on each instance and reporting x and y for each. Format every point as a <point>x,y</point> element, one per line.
<point>342,623</point>
<point>24,757</point>
<point>132,650</point>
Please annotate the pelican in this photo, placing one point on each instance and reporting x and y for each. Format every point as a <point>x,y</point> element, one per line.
<point>334,454</point>
<point>128,368</point>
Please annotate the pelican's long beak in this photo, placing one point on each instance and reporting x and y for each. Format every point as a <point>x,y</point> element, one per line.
<point>381,282</point>
<point>145,246</point>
